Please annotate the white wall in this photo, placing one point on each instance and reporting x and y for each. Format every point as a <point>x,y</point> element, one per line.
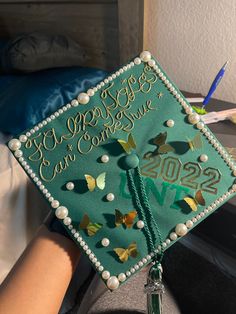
<point>192,39</point>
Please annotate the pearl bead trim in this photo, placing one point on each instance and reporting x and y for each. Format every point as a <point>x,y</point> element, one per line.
<point>145,57</point>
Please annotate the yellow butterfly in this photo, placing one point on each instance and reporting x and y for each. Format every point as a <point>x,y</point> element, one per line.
<point>124,254</point>
<point>92,182</point>
<point>196,142</point>
<point>129,145</point>
<point>127,219</point>
<point>91,228</point>
<point>193,202</point>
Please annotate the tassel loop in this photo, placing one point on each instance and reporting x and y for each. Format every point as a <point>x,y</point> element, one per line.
<point>154,289</point>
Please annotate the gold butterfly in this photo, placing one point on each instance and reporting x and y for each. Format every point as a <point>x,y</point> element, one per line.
<point>124,254</point>
<point>196,142</point>
<point>129,145</point>
<point>163,148</point>
<point>93,182</point>
<point>193,202</point>
<point>91,228</point>
<point>127,219</point>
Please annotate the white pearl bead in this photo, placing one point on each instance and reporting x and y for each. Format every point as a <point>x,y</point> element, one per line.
<point>181,229</point>
<point>74,103</point>
<point>14,144</point>
<point>145,56</point>
<point>137,61</point>
<point>90,92</point>
<point>140,224</point>
<point>55,204</point>
<point>170,123</point>
<point>18,153</point>
<point>76,235</point>
<point>193,118</point>
<point>70,186</point>
<point>105,274</point>
<point>23,138</point>
<point>173,236</point>
<point>67,221</point>
<point>113,283</point>
<point>105,158</point>
<point>200,125</point>
<point>100,268</point>
<point>105,242</point>
<point>151,63</point>
<point>110,197</point>
<point>61,212</point>
<point>121,277</point>
<point>234,187</point>
<point>167,241</point>
<point>188,110</point>
<point>128,273</point>
<point>83,98</point>
<point>189,224</point>
<point>132,270</point>
<point>204,158</point>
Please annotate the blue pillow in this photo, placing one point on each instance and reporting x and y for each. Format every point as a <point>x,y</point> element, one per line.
<point>27,99</point>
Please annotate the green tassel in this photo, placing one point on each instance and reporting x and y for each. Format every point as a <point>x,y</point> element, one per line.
<point>154,289</point>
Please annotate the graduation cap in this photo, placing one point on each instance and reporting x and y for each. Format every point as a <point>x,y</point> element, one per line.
<point>129,168</point>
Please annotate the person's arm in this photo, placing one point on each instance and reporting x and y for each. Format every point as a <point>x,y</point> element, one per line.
<point>38,281</point>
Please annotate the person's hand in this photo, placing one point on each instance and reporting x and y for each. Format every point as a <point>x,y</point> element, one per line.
<point>38,281</point>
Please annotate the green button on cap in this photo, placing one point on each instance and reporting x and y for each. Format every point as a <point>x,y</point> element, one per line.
<point>131,161</point>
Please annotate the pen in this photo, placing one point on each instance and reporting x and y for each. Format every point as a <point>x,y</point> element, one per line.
<point>215,83</point>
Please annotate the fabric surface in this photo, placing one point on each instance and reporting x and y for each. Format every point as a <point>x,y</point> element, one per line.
<point>38,51</point>
<point>130,298</point>
<point>27,99</point>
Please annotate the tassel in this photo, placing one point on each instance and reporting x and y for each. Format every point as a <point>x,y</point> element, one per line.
<point>154,289</point>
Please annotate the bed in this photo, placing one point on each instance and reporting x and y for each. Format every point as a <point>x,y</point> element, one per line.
<point>111,32</point>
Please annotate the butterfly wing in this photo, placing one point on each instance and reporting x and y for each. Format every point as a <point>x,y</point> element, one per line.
<point>125,145</point>
<point>129,218</point>
<point>165,148</point>
<point>123,254</point>
<point>91,182</point>
<point>199,198</point>
<point>160,139</point>
<point>93,228</point>
<point>100,181</point>
<point>131,141</point>
<point>196,142</point>
<point>191,203</point>
<point>119,218</point>
<point>84,222</point>
<point>132,250</point>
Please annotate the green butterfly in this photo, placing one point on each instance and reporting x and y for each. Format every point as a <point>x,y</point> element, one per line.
<point>91,228</point>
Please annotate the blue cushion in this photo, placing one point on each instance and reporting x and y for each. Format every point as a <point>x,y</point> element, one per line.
<point>27,99</point>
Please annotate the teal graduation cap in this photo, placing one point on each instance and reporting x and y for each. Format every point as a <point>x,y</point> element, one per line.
<point>128,167</point>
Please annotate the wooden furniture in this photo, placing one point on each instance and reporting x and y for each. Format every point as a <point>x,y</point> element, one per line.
<point>111,31</point>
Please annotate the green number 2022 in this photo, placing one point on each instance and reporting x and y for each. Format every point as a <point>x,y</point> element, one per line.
<point>171,169</point>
